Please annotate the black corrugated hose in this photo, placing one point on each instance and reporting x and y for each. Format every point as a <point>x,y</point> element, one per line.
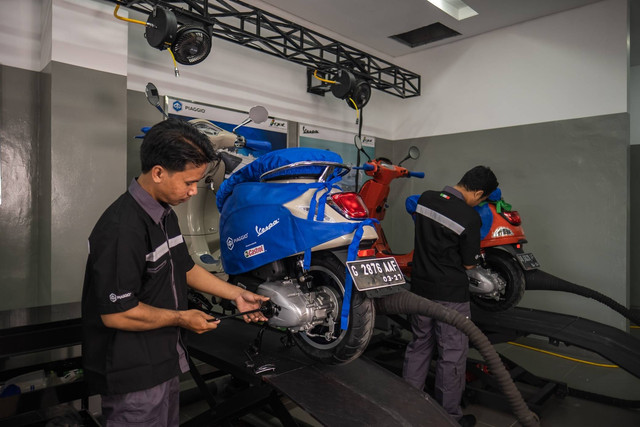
<point>538,280</point>
<point>409,303</point>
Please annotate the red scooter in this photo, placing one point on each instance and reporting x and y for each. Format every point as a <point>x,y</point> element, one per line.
<point>499,283</point>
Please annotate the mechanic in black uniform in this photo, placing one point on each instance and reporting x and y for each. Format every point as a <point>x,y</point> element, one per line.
<point>447,243</point>
<point>134,299</point>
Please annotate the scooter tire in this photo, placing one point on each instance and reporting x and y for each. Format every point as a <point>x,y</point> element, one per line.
<point>349,344</point>
<point>507,267</point>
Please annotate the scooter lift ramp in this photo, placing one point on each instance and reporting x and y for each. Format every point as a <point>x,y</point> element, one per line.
<point>614,344</point>
<point>357,393</point>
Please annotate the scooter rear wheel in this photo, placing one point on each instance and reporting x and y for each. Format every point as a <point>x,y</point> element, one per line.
<point>501,262</point>
<point>343,345</point>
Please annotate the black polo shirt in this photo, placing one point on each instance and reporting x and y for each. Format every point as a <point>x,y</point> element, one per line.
<point>447,238</point>
<point>136,254</point>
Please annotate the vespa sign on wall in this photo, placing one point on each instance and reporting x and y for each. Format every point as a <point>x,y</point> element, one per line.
<point>339,142</point>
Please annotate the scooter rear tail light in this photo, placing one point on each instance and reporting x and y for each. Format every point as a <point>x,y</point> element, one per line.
<point>512,216</point>
<point>350,205</point>
<point>363,253</point>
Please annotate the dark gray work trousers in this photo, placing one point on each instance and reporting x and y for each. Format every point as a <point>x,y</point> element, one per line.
<point>157,406</point>
<point>453,347</point>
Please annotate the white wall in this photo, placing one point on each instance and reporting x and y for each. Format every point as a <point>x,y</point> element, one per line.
<point>76,32</point>
<point>569,65</point>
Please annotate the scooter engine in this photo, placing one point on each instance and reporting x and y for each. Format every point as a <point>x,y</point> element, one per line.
<point>485,283</point>
<point>298,310</point>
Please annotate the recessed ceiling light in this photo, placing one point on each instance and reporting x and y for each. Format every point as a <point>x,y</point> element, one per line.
<point>455,8</point>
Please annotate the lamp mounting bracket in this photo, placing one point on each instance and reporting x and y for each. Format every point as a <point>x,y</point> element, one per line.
<point>243,24</point>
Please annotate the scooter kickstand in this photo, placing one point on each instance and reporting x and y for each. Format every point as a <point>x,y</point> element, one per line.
<point>253,353</point>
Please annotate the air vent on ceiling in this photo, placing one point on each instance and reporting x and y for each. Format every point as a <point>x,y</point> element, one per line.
<point>428,34</point>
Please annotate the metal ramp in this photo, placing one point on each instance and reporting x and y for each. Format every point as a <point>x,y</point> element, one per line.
<point>360,393</point>
<point>611,343</point>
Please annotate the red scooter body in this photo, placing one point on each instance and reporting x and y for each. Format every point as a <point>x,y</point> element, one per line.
<point>501,247</point>
<point>374,193</point>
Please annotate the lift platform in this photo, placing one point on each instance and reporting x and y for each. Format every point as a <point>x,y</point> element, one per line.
<point>358,393</point>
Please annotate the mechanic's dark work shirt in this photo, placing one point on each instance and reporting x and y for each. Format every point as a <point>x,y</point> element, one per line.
<point>447,238</point>
<point>136,254</point>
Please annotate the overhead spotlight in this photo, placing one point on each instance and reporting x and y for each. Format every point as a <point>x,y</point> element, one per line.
<point>192,44</point>
<point>162,26</point>
<point>354,91</point>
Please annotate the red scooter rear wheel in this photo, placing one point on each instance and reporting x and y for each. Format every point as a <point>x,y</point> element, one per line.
<point>503,263</point>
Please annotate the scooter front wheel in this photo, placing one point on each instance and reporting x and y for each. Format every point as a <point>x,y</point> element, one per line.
<point>507,267</point>
<point>341,346</point>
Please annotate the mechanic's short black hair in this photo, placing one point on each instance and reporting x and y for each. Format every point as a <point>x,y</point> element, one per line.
<point>174,144</point>
<point>480,178</point>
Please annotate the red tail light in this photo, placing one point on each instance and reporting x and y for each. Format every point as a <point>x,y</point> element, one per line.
<point>512,216</point>
<point>363,253</point>
<point>350,205</point>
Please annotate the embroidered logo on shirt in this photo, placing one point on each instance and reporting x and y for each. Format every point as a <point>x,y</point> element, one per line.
<point>114,297</point>
<point>445,196</point>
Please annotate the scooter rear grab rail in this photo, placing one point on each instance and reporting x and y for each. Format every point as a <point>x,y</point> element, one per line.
<point>329,168</point>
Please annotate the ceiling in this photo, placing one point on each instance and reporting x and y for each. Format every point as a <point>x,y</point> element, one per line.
<point>370,23</point>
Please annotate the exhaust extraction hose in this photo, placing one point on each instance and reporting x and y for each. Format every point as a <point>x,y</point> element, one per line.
<point>409,303</point>
<point>538,280</point>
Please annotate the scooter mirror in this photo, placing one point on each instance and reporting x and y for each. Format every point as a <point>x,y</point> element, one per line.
<point>358,142</point>
<point>258,114</point>
<point>414,153</point>
<point>151,92</point>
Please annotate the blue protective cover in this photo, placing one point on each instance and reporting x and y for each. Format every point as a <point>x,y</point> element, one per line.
<point>272,160</point>
<point>256,229</point>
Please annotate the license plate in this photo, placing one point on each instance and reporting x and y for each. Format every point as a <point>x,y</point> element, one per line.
<point>528,261</point>
<point>375,273</point>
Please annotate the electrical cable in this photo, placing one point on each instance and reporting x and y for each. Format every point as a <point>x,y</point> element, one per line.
<point>122,18</point>
<point>175,64</point>
<point>586,362</point>
<point>315,74</point>
<point>357,111</point>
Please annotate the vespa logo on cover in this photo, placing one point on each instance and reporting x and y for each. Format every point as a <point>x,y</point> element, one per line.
<point>254,251</point>
<point>177,105</point>
<point>261,230</point>
<point>232,242</point>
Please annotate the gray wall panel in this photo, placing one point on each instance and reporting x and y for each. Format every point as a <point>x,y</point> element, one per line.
<point>568,179</point>
<point>88,165</point>
<point>18,212</point>
<point>139,114</point>
<point>634,229</point>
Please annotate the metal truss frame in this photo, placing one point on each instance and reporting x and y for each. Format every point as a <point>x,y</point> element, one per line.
<point>243,24</point>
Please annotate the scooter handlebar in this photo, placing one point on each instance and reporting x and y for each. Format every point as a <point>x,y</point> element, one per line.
<point>416,174</point>
<point>367,167</point>
<point>259,145</point>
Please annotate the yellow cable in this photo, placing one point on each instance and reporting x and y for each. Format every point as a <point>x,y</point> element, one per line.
<point>175,64</point>
<point>315,74</point>
<point>635,327</point>
<point>122,18</point>
<point>602,365</point>
<point>356,107</point>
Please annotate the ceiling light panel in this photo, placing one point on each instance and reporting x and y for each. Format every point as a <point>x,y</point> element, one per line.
<point>454,8</point>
